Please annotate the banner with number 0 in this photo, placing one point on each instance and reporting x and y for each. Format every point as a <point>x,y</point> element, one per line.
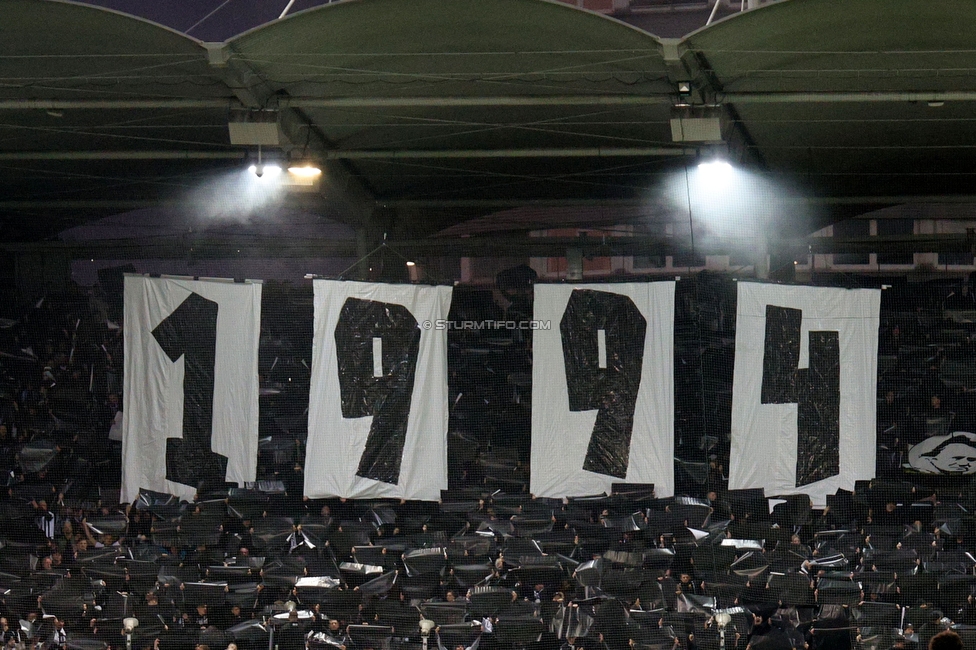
<point>378,403</point>
<point>191,384</point>
<point>602,388</point>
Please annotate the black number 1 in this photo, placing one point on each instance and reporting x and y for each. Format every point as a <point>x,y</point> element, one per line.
<point>610,386</point>
<point>191,332</point>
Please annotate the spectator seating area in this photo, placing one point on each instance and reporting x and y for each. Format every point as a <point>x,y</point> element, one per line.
<point>886,565</point>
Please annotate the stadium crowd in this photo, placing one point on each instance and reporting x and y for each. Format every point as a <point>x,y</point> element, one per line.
<point>889,565</point>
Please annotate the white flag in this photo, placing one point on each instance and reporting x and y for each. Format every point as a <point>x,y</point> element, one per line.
<point>378,405</point>
<point>191,384</point>
<point>602,388</point>
<point>804,389</point>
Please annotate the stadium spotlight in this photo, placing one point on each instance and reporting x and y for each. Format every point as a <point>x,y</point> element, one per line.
<point>264,171</point>
<point>716,168</point>
<point>304,170</point>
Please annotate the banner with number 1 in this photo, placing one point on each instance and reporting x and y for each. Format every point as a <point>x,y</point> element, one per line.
<point>191,384</point>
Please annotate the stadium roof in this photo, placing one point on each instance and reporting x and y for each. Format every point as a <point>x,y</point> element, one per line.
<point>428,113</point>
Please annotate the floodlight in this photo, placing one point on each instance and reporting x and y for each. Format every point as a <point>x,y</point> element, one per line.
<point>129,624</point>
<point>305,171</point>
<point>426,626</point>
<point>265,171</point>
<point>717,168</point>
<point>722,619</point>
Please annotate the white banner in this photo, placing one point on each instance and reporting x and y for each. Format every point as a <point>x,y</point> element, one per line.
<point>191,384</point>
<point>602,388</point>
<point>804,389</point>
<point>378,406</point>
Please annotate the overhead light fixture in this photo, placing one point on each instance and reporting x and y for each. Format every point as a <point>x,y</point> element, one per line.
<point>303,175</point>
<point>411,263</point>
<point>716,166</point>
<point>262,170</point>
<point>684,90</point>
<point>254,128</point>
<point>696,123</point>
<point>306,170</point>
<point>716,172</point>
<point>265,171</point>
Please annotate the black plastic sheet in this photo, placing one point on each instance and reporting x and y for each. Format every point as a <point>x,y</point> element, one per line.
<point>815,390</point>
<point>423,586</point>
<point>487,601</point>
<point>374,555</point>
<point>424,560</point>
<point>379,585</point>
<point>611,390</point>
<point>386,398</point>
<point>371,636</point>
<point>164,506</point>
<point>206,593</point>
<point>37,455</point>
<point>469,575</point>
<point>190,331</point>
<point>791,589</point>
<point>445,613</point>
<point>519,630</point>
<point>571,621</point>
<point>589,574</point>
<point>403,617</point>
<point>838,592</point>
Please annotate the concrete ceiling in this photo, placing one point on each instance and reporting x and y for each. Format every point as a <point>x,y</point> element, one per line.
<point>427,114</point>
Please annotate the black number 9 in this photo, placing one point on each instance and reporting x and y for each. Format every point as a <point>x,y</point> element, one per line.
<point>607,379</point>
<point>380,387</point>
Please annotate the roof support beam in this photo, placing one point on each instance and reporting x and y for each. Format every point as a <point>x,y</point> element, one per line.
<point>845,97</point>
<point>115,104</point>
<point>337,102</point>
<point>493,100</point>
<point>447,204</point>
<point>571,152</point>
<point>489,101</point>
<point>361,154</point>
<point>123,155</point>
<point>300,200</point>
